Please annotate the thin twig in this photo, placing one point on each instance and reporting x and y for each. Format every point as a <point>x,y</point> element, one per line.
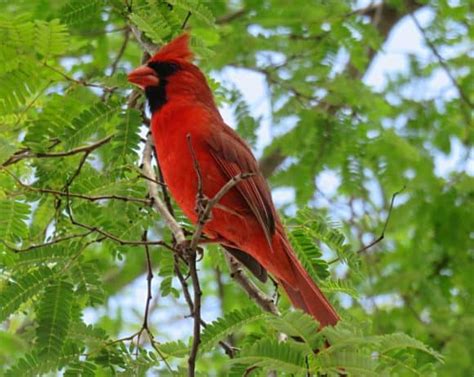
<point>126,38</point>
<point>77,171</point>
<point>186,20</point>
<point>79,82</point>
<point>26,153</point>
<point>49,243</point>
<point>228,349</point>
<point>441,61</point>
<point>149,279</point>
<point>382,235</point>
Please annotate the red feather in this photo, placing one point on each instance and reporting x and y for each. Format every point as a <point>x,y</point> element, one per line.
<point>245,221</point>
<point>178,49</point>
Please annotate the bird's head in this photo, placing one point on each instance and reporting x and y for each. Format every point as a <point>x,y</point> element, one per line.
<point>170,74</point>
<point>163,64</point>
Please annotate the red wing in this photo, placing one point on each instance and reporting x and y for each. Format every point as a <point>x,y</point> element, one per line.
<point>234,157</point>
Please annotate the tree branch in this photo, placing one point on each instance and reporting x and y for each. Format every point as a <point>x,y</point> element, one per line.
<point>260,298</point>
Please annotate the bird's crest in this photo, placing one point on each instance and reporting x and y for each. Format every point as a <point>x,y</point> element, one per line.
<point>177,49</point>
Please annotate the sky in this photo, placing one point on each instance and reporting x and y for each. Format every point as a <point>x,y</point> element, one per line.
<point>405,39</point>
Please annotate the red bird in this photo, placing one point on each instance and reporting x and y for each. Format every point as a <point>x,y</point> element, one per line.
<point>245,221</point>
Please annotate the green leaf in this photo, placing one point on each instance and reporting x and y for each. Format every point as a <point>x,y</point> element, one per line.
<point>17,291</point>
<point>326,231</point>
<point>51,38</point>
<point>34,365</point>
<point>89,121</point>
<point>394,341</point>
<point>269,354</point>
<point>54,317</point>
<point>174,349</point>
<point>80,368</point>
<point>341,286</point>
<point>301,325</point>
<point>13,217</point>
<point>308,253</point>
<point>86,276</point>
<point>153,25</point>
<point>166,261</point>
<point>231,322</point>
<point>6,150</point>
<point>127,137</point>
<point>17,86</point>
<point>18,31</point>
<point>350,361</point>
<point>93,337</point>
<point>79,11</point>
<point>27,366</point>
<point>45,255</point>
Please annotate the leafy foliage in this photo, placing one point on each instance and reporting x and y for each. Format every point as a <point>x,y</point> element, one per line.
<point>51,38</point>
<point>54,317</point>
<point>227,325</point>
<point>127,138</point>
<point>335,143</point>
<point>154,26</point>
<point>86,123</point>
<point>77,11</point>
<point>272,355</point>
<point>13,216</point>
<point>23,288</point>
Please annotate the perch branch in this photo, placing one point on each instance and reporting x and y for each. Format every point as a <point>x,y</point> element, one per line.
<point>260,298</point>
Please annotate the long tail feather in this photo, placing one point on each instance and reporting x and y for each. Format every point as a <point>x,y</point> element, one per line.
<point>305,294</point>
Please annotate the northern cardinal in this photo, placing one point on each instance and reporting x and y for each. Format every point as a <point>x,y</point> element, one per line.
<point>245,221</point>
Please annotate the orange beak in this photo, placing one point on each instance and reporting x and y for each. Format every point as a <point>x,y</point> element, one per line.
<point>143,76</point>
